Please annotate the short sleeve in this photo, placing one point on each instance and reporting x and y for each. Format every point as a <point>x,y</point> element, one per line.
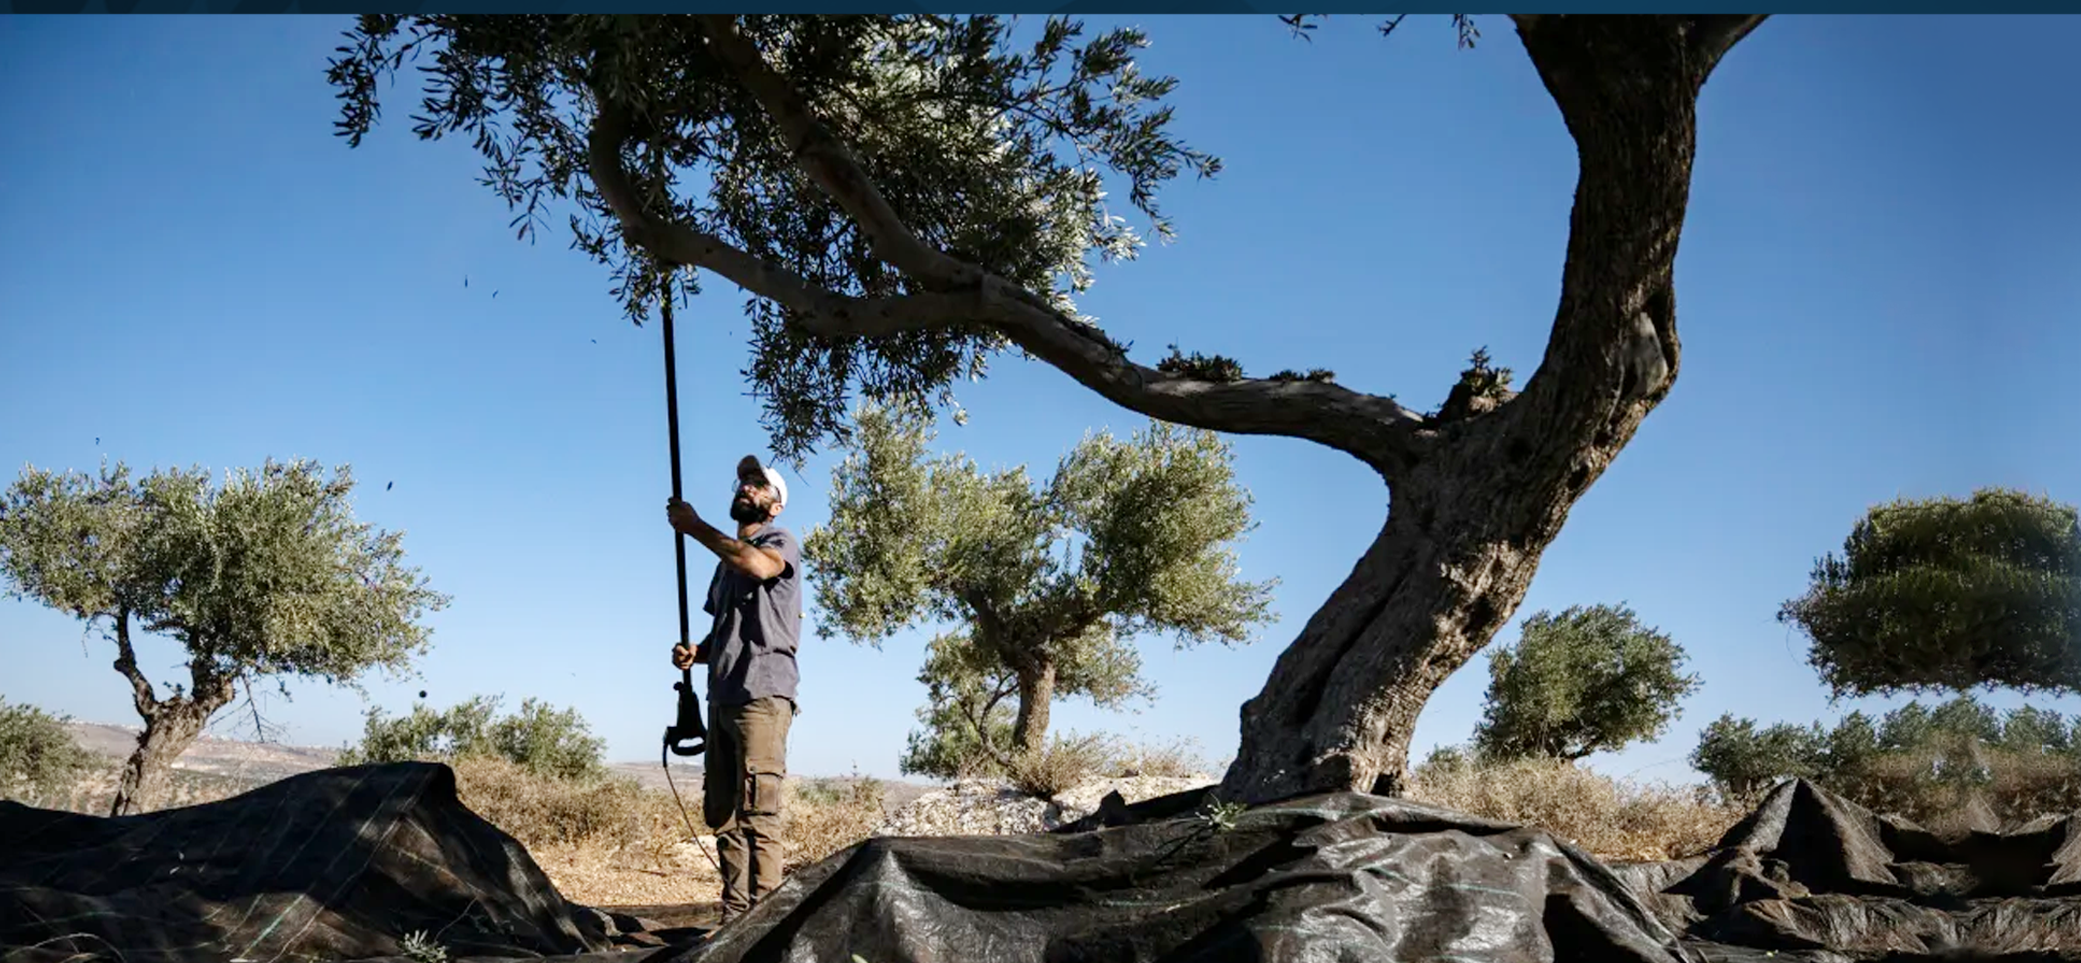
<point>715,581</point>
<point>783,541</point>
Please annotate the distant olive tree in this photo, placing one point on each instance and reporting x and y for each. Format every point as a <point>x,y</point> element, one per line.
<point>1742,760</point>
<point>1955,736</point>
<point>547,741</point>
<point>1948,593</point>
<point>1590,679</point>
<point>268,575</point>
<point>1050,583</point>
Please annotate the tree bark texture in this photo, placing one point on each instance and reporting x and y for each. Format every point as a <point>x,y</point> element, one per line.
<point>1036,693</point>
<point>1470,520</point>
<point>170,725</point>
<point>168,732</point>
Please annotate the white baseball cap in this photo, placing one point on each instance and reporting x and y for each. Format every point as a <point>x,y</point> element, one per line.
<point>749,470</point>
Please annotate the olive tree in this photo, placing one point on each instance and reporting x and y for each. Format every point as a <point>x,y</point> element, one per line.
<point>1050,582</point>
<point>1742,760</point>
<point>1590,679</point>
<point>904,196</point>
<point>267,575</point>
<point>1949,593</point>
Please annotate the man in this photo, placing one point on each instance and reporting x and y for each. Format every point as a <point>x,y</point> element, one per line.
<point>756,599</point>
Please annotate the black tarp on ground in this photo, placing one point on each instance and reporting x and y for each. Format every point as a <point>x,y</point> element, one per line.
<point>328,865</point>
<point>339,864</point>
<point>1333,877</point>
<point>1813,874</point>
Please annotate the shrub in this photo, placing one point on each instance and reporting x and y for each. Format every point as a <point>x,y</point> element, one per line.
<point>545,741</point>
<point>38,757</point>
<point>1065,763</point>
<point>544,810</point>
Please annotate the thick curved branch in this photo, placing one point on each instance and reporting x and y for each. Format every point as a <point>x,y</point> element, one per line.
<point>830,163</point>
<point>1627,88</point>
<point>1375,429</point>
<point>674,242</point>
<point>126,662</point>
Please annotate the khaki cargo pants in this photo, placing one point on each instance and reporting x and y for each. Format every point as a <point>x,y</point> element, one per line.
<point>741,796</point>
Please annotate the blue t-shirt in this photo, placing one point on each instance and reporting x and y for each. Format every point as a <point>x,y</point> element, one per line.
<point>751,647</point>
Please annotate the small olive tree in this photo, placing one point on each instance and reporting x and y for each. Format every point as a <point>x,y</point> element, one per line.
<point>1742,759</point>
<point>268,575</point>
<point>1949,593</point>
<point>1050,582</point>
<point>1590,679</point>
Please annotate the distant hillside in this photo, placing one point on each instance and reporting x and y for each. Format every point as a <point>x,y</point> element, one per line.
<point>256,763</point>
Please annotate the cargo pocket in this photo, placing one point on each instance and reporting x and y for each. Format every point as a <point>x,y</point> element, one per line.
<point>762,792</point>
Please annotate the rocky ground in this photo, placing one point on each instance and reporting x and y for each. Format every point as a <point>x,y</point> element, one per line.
<point>983,807</point>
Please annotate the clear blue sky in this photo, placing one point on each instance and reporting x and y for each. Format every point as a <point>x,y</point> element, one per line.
<point>1877,299</point>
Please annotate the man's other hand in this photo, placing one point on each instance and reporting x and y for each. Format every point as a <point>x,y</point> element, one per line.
<point>681,515</point>
<point>685,658</point>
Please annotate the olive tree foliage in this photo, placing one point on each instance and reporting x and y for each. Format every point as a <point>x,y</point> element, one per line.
<point>38,756</point>
<point>1949,593</point>
<point>992,155</point>
<point>1591,679</point>
<point>1742,758</point>
<point>1050,582</point>
<point>265,576</point>
<point>902,196</point>
<point>968,720</point>
<point>543,739</point>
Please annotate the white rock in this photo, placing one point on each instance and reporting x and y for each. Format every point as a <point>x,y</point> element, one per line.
<point>995,807</point>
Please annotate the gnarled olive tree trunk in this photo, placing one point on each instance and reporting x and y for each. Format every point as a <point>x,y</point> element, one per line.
<point>1494,478</point>
<point>170,725</point>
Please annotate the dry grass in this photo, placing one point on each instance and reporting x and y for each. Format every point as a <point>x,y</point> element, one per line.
<point>94,790</point>
<point>1063,764</point>
<point>1073,760</point>
<point>615,843</point>
<point>1175,760</point>
<point>610,842</point>
<point>1611,819</point>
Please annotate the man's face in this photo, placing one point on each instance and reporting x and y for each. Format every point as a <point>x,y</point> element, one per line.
<point>753,501</point>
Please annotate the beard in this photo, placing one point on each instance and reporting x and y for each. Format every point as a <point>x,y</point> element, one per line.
<point>743,510</point>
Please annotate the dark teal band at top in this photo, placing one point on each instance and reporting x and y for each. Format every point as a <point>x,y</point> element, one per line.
<point>1109,7</point>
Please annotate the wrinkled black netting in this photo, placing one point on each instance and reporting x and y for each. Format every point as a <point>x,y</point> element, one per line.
<point>1813,876</point>
<point>342,864</point>
<point>328,865</point>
